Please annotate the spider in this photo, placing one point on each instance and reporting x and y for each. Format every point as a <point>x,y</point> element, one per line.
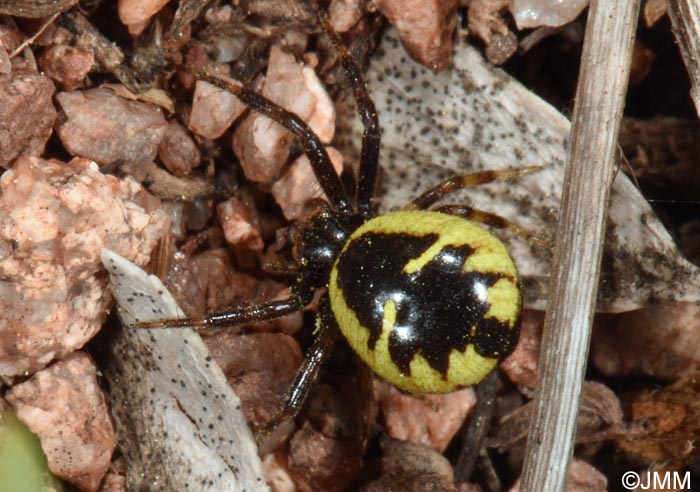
<point>429,299</point>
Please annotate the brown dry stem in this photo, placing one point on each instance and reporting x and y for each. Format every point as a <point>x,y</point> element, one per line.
<point>685,20</point>
<point>603,78</point>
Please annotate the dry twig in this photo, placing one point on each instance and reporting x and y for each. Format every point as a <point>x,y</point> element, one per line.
<point>31,39</point>
<point>603,77</point>
<point>685,19</point>
<point>34,9</point>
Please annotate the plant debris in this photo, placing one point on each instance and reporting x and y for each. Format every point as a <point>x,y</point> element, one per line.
<point>673,414</point>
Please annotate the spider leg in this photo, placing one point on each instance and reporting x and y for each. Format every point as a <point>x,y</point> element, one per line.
<point>241,316</point>
<point>312,146</point>
<point>325,336</point>
<point>369,156</point>
<point>479,424</point>
<point>492,220</point>
<point>466,181</point>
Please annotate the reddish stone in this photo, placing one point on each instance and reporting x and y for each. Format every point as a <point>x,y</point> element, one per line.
<point>115,478</point>
<point>213,110</point>
<point>430,420</point>
<point>344,14</point>
<point>135,14</point>
<point>177,150</point>
<point>28,114</point>
<point>425,28</point>
<point>276,473</point>
<point>241,230</point>
<point>261,145</point>
<point>260,367</point>
<point>98,125</point>
<point>521,365</point>
<point>659,341</point>
<point>66,65</point>
<point>54,219</point>
<point>319,462</point>
<point>299,185</point>
<point>64,406</point>
<point>411,467</point>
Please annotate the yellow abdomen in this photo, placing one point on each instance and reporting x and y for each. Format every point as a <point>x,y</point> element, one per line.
<point>431,302</point>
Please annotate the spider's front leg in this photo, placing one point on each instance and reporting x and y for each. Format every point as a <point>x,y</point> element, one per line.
<point>248,314</point>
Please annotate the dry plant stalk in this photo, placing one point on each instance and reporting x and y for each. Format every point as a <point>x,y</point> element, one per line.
<point>35,9</point>
<point>602,84</point>
<point>685,20</point>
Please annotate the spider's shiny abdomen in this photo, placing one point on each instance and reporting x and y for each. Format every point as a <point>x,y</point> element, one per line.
<point>431,302</point>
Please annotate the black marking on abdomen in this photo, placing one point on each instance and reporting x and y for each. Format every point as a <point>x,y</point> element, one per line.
<point>436,307</point>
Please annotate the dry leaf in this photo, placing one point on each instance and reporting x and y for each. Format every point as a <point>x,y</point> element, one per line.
<point>599,418</point>
<point>475,117</point>
<point>154,96</point>
<point>178,421</point>
<point>410,467</point>
<point>674,413</point>
<point>654,10</point>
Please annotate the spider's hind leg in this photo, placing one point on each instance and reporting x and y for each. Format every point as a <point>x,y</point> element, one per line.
<point>325,335</point>
<point>455,183</point>
<point>462,181</point>
<point>492,220</point>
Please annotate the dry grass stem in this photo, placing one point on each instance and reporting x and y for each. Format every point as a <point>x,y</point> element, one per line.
<point>685,19</point>
<point>602,85</point>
